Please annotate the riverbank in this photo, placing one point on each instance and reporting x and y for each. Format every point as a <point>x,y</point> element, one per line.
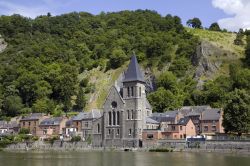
<point>58,146</point>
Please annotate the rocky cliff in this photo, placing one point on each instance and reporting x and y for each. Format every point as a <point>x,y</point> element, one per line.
<point>3,44</point>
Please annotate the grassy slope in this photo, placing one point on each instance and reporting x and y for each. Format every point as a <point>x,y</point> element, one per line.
<point>102,82</point>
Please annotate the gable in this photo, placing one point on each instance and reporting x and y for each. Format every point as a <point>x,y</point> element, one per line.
<point>113,96</point>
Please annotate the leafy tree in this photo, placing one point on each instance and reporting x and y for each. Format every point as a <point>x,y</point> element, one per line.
<point>43,105</point>
<point>236,116</point>
<point>168,81</point>
<point>12,105</point>
<point>180,66</point>
<point>81,100</point>
<point>214,27</point>
<point>117,58</point>
<point>239,37</point>
<point>247,51</point>
<point>194,23</point>
<point>164,100</point>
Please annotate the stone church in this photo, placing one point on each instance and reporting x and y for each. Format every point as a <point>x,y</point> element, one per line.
<point>125,111</point>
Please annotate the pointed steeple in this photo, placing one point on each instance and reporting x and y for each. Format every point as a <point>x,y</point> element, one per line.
<point>133,72</point>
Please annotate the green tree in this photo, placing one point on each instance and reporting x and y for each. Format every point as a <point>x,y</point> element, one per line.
<point>12,105</point>
<point>180,66</point>
<point>43,105</point>
<point>80,100</point>
<point>117,58</point>
<point>168,81</point>
<point>214,27</point>
<point>239,38</point>
<point>247,51</point>
<point>194,23</point>
<point>164,100</point>
<point>236,116</point>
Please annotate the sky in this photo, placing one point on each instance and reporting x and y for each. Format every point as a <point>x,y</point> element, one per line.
<point>230,14</point>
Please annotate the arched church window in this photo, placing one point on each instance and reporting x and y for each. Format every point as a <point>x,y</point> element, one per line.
<point>98,128</point>
<point>110,118</point>
<point>114,117</point>
<point>132,114</point>
<point>118,118</point>
<point>128,91</point>
<point>128,115</point>
<point>132,91</point>
<point>140,91</point>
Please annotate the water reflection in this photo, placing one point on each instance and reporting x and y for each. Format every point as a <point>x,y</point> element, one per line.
<point>119,159</point>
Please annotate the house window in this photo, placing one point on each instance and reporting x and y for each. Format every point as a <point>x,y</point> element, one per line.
<point>110,118</point>
<point>114,117</point>
<point>181,136</point>
<point>98,128</point>
<point>132,114</point>
<point>35,122</point>
<point>173,128</point>
<point>129,131</point>
<point>213,128</point>
<point>128,114</point>
<point>205,128</point>
<point>86,124</point>
<point>180,127</point>
<point>150,136</point>
<point>24,123</point>
<point>118,118</point>
<point>132,91</point>
<point>128,91</point>
<point>29,123</point>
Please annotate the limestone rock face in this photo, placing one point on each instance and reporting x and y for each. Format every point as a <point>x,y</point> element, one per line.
<point>3,44</point>
<point>208,60</point>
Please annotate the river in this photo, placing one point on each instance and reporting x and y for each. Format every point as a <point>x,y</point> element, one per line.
<point>120,159</point>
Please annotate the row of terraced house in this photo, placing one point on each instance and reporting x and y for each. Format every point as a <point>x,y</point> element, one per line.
<point>178,124</point>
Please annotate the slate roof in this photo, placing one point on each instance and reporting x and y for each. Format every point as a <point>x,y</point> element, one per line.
<point>211,114</point>
<point>5,124</point>
<point>164,117</point>
<point>93,114</point>
<point>193,110</point>
<point>183,121</point>
<point>51,121</point>
<point>133,72</point>
<point>33,116</point>
<point>151,121</point>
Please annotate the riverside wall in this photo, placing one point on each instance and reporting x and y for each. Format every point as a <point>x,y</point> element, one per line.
<point>176,145</point>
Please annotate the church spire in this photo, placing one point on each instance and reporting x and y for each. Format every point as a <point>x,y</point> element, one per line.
<point>133,72</point>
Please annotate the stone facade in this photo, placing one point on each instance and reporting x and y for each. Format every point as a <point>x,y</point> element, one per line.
<point>124,112</point>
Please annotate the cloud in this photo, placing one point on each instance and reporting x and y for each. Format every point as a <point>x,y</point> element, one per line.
<point>239,11</point>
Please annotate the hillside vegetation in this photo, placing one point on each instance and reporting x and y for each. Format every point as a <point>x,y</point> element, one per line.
<point>57,64</point>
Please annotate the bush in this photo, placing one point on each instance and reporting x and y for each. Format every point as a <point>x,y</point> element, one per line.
<point>24,131</point>
<point>75,139</point>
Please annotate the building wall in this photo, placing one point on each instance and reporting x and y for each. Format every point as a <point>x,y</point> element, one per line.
<point>212,126</point>
<point>180,131</point>
<point>32,125</point>
<point>123,124</point>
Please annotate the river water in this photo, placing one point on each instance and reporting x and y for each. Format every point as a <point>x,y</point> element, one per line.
<point>120,159</point>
